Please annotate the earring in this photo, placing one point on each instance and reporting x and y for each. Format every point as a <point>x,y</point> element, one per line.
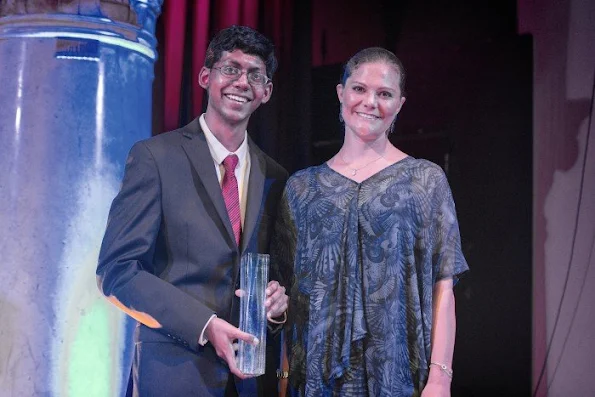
<point>391,129</point>
<point>341,114</point>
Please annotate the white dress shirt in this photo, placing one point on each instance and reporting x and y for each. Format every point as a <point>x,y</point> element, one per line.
<point>219,153</point>
<point>242,171</point>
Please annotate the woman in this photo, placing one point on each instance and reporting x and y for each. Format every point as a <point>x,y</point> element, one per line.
<point>369,245</point>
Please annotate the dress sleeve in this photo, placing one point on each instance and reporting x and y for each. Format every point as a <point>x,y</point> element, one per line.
<point>283,260</point>
<point>447,255</point>
<point>284,244</point>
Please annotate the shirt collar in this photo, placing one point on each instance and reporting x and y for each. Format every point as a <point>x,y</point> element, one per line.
<point>218,151</point>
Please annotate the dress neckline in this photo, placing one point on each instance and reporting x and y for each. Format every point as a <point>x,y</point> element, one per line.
<point>371,176</point>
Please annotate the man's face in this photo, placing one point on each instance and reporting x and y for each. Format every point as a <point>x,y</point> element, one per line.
<point>233,100</point>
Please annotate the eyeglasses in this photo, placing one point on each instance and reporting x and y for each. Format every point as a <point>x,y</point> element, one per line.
<point>235,73</point>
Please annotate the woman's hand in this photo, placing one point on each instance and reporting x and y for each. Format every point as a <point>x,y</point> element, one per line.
<point>276,300</point>
<point>436,390</point>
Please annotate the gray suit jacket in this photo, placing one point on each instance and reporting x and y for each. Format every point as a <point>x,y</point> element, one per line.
<point>169,252</point>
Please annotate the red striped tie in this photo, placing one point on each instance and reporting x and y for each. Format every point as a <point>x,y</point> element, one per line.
<point>231,196</point>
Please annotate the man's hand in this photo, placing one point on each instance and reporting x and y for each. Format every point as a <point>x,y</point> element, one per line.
<point>222,335</point>
<point>276,301</point>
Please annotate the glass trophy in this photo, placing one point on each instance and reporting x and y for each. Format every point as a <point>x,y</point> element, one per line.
<point>254,277</point>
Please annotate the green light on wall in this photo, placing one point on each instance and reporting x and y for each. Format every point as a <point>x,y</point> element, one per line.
<point>90,367</point>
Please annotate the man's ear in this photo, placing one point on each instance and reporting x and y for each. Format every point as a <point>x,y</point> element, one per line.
<point>268,91</point>
<point>203,77</point>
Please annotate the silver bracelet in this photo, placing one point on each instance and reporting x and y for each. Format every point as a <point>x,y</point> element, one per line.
<point>444,368</point>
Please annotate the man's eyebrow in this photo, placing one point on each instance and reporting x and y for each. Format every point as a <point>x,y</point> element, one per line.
<point>232,62</point>
<point>235,63</point>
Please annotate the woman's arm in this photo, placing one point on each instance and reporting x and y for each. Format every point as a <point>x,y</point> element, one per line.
<point>443,339</point>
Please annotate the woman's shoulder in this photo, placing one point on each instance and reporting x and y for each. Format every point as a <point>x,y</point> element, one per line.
<point>424,168</point>
<point>304,181</point>
<point>422,165</point>
<point>424,174</point>
<point>306,174</point>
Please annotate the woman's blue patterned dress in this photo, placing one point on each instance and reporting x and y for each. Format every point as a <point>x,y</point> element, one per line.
<point>361,260</point>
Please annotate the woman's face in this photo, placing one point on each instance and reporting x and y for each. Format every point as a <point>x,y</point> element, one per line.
<point>370,99</point>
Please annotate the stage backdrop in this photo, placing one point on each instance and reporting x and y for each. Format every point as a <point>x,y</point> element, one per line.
<point>75,95</point>
<point>564,195</point>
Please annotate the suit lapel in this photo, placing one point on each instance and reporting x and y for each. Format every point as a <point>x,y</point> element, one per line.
<point>197,150</point>
<point>255,192</point>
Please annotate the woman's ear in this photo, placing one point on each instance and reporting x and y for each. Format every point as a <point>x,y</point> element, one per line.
<point>340,92</point>
<point>401,104</point>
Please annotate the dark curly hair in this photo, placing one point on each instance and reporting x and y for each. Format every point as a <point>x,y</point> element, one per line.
<point>246,40</point>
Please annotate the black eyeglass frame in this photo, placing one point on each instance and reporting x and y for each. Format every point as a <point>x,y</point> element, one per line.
<point>235,73</point>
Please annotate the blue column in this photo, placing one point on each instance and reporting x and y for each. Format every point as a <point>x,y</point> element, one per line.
<point>75,94</point>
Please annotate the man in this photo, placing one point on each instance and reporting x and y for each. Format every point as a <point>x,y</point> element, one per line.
<point>191,203</point>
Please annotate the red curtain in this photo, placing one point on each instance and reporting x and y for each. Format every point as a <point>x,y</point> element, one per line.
<point>188,25</point>
<point>174,21</point>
